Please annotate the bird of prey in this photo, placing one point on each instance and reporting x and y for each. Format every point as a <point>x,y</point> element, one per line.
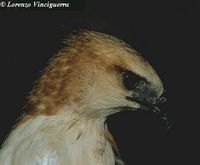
<point>95,75</point>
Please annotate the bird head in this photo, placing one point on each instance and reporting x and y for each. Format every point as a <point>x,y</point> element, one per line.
<point>96,75</point>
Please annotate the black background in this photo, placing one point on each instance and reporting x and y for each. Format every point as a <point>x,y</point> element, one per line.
<point>164,32</point>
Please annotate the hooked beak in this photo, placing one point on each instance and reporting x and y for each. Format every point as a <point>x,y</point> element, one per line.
<point>155,109</point>
<point>163,115</point>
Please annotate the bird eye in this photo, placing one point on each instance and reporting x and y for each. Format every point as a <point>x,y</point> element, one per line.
<point>130,80</point>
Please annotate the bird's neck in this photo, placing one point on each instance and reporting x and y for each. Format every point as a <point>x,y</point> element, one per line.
<point>91,136</point>
<point>91,140</point>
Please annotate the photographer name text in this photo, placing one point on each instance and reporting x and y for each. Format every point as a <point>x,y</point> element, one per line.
<point>34,4</point>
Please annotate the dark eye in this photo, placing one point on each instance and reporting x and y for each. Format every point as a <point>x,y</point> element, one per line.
<point>130,80</point>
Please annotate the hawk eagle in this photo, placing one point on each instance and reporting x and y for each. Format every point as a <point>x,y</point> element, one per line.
<point>93,76</point>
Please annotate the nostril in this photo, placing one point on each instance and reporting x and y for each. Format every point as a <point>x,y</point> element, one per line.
<point>162,100</point>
